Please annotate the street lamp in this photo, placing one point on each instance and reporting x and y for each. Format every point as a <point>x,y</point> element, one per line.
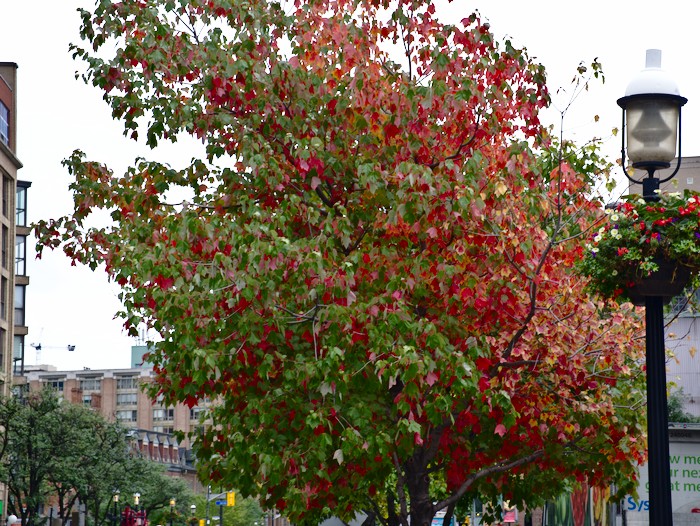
<point>172,510</point>
<point>115,500</point>
<point>651,115</point>
<point>139,514</point>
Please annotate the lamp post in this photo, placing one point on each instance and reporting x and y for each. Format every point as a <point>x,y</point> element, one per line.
<point>172,510</point>
<point>139,514</point>
<point>115,500</point>
<point>651,118</point>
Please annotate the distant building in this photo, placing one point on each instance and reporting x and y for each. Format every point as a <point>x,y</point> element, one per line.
<point>117,394</point>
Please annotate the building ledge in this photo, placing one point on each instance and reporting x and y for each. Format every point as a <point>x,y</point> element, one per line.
<point>10,155</point>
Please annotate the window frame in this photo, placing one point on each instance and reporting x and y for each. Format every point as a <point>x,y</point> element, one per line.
<point>4,124</point>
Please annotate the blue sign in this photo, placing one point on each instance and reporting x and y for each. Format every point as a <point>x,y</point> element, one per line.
<point>220,503</point>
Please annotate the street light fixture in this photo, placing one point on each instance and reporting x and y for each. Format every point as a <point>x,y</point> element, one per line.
<point>172,510</point>
<point>115,514</point>
<point>139,515</point>
<point>651,115</point>
<point>651,118</point>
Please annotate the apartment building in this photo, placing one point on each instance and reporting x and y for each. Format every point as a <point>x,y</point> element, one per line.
<point>12,290</point>
<point>117,394</point>
<point>9,166</point>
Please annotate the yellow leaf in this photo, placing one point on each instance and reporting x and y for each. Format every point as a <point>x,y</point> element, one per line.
<point>692,352</point>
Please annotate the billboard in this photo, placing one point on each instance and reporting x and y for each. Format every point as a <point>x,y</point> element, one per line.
<point>684,456</point>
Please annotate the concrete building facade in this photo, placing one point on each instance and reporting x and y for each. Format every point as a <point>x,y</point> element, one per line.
<point>9,167</point>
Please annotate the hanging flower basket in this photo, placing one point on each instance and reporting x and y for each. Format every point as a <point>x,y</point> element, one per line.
<point>645,248</point>
<point>669,281</point>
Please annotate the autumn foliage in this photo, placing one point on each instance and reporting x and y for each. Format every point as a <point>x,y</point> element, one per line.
<point>372,269</point>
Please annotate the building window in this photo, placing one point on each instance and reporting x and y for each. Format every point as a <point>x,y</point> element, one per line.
<point>196,413</point>
<point>6,184</point>
<point>87,400</point>
<point>54,383</point>
<point>127,398</point>
<point>127,382</point>
<point>3,298</point>
<point>20,255</point>
<point>18,352</point>
<point>19,304</point>
<point>90,384</point>
<point>164,429</point>
<point>21,205</point>
<point>3,337</point>
<point>20,391</point>
<point>163,414</point>
<point>5,244</point>
<point>4,124</point>
<point>196,430</point>
<point>126,416</point>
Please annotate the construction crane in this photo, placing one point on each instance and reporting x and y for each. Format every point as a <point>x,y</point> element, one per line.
<point>38,347</point>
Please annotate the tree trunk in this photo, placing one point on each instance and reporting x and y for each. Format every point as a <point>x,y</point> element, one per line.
<point>418,484</point>
<point>392,518</point>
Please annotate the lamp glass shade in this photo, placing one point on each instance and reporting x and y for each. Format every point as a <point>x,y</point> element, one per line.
<point>652,130</point>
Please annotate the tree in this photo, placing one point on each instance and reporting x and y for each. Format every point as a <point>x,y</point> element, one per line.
<point>151,481</point>
<point>93,460</point>
<point>57,448</point>
<point>676,411</point>
<point>371,270</point>
<point>246,512</point>
<point>72,454</point>
<point>28,454</point>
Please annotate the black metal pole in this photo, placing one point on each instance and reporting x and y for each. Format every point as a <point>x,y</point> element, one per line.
<point>660,511</point>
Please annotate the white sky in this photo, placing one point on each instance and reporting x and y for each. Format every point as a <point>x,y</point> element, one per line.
<point>57,114</point>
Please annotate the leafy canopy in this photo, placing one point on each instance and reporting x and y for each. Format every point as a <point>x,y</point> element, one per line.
<point>371,268</point>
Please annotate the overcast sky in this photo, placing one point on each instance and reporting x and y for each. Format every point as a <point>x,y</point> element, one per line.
<point>57,114</point>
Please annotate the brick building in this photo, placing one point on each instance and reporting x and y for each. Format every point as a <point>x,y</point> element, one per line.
<point>13,225</point>
<point>115,393</point>
<point>118,396</point>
